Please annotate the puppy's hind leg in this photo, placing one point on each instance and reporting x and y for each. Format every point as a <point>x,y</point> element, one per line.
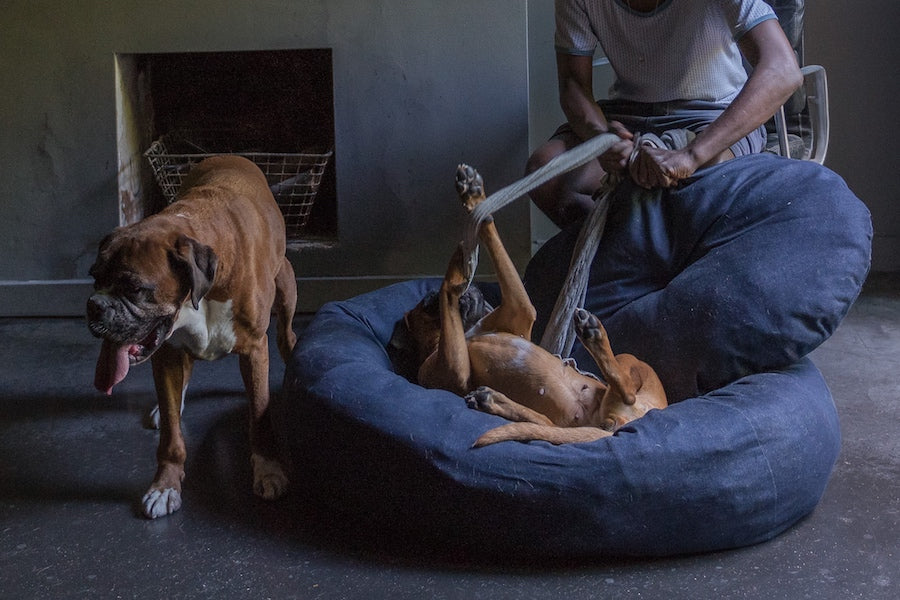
<point>528,424</point>
<point>596,341</point>
<point>491,401</point>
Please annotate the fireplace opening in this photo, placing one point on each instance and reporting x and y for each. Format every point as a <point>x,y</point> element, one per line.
<point>274,106</point>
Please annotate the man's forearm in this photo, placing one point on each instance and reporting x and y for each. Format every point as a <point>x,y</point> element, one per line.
<point>582,112</point>
<point>576,96</point>
<point>763,94</point>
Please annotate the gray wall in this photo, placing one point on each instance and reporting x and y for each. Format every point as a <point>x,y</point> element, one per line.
<point>856,43</point>
<point>419,86</point>
<point>414,96</point>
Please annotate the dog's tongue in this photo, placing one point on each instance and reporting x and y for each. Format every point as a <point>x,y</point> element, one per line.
<point>112,366</point>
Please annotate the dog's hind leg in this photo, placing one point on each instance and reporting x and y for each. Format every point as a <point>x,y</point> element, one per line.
<point>528,424</point>
<point>516,313</point>
<point>527,432</point>
<point>285,305</point>
<point>488,400</point>
<point>596,341</point>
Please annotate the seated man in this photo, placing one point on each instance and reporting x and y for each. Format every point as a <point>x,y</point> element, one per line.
<point>678,65</point>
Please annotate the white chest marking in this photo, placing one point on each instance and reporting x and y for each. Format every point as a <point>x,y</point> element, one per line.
<point>206,332</point>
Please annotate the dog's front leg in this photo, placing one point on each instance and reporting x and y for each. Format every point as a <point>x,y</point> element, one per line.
<point>516,313</point>
<point>448,367</point>
<point>171,371</point>
<point>269,480</point>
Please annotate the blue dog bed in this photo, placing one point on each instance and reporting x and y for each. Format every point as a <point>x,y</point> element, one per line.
<point>723,285</point>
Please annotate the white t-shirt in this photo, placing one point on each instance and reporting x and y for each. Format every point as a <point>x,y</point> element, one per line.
<point>683,50</point>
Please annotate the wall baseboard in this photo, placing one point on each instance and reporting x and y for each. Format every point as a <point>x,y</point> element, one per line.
<point>67,298</point>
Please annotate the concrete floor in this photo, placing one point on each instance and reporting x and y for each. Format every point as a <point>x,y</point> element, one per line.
<point>73,465</point>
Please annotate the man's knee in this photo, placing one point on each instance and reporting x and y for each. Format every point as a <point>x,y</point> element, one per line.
<point>539,158</point>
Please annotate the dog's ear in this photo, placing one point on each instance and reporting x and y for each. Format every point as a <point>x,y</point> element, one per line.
<point>402,351</point>
<point>197,262</point>
<point>94,271</point>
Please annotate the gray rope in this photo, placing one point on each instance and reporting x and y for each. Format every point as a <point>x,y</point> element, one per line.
<point>559,336</point>
<point>571,159</point>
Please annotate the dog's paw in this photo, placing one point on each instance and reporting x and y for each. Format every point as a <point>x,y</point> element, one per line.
<point>587,326</point>
<point>469,186</point>
<point>482,399</point>
<point>269,480</point>
<point>159,503</point>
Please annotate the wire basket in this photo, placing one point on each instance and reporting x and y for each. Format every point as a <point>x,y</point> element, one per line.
<point>293,178</point>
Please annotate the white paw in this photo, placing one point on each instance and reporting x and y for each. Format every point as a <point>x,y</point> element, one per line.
<point>269,480</point>
<point>159,503</point>
<point>151,419</point>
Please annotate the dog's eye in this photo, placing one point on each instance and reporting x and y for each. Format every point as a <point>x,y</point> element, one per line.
<point>129,288</point>
<point>133,290</point>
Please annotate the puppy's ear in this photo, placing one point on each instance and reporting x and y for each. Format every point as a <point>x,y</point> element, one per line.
<point>402,352</point>
<point>197,263</point>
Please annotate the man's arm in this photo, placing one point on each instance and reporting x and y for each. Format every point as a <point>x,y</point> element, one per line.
<point>576,95</point>
<point>576,98</point>
<point>775,77</point>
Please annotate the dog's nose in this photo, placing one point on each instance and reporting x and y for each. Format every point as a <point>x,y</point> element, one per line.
<point>98,308</point>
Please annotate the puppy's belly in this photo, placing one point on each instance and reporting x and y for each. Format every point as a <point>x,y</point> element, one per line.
<point>207,332</point>
<point>529,375</point>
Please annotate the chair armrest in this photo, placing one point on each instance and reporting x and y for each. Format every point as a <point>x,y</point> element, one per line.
<point>816,84</point>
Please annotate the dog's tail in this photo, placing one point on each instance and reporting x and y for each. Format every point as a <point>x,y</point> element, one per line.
<point>526,432</point>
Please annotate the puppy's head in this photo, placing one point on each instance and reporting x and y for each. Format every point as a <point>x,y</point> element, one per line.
<point>140,285</point>
<point>417,335</point>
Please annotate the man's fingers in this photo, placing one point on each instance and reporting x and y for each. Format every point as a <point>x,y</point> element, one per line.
<point>620,130</point>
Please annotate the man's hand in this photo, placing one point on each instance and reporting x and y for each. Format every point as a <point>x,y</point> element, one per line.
<point>660,167</point>
<point>615,160</point>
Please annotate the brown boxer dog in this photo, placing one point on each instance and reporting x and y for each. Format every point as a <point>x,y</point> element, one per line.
<point>463,346</point>
<point>198,280</point>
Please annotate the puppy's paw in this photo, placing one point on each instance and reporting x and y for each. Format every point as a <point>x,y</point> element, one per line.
<point>159,503</point>
<point>482,399</point>
<point>269,480</point>
<point>469,186</point>
<point>587,326</point>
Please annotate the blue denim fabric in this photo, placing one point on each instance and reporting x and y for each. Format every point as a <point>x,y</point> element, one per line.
<point>749,265</point>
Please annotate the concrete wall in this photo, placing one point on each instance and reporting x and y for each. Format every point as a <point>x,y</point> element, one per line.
<point>414,96</point>
<point>856,44</point>
<point>419,86</point>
